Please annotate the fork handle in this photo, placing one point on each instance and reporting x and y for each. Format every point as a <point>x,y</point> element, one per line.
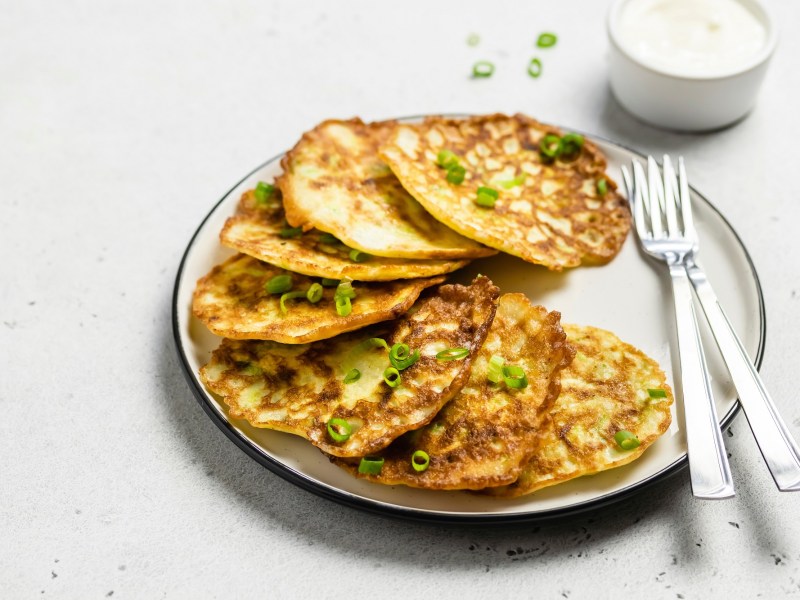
<point>779,450</point>
<point>708,462</point>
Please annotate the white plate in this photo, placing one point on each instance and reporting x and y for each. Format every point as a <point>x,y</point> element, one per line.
<point>630,296</point>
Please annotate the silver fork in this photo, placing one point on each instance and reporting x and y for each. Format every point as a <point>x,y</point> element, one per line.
<point>779,449</point>
<point>654,205</point>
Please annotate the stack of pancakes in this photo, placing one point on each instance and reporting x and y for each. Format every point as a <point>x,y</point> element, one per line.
<point>376,208</point>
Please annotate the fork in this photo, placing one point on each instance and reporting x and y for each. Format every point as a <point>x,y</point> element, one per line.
<point>652,205</point>
<point>779,450</point>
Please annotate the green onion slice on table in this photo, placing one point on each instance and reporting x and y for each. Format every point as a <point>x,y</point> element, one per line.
<point>546,40</point>
<point>482,69</point>
<point>535,68</point>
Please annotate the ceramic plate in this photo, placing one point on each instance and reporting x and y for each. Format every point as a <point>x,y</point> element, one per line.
<point>630,296</point>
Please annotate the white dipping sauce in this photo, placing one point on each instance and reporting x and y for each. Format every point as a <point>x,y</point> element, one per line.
<point>691,37</point>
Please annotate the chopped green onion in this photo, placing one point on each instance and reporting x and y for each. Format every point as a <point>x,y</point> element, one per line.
<point>327,238</point>
<point>314,293</point>
<point>401,356</point>
<point>486,197</point>
<point>339,429</point>
<point>345,289</point>
<point>482,68</point>
<point>370,465</point>
<point>488,191</point>
<point>485,200</point>
<point>327,282</point>
<point>602,187</point>
<point>626,440</point>
<point>392,377</point>
<point>495,372</point>
<point>352,375</point>
<point>550,146</point>
<point>515,377</point>
<point>456,174</point>
<point>377,343</point>
<point>510,183</point>
<point>358,256</point>
<point>420,460</point>
<point>343,306</point>
<point>446,159</point>
<point>290,296</point>
<point>279,284</point>
<point>535,68</point>
<point>546,40</point>
<point>571,145</point>
<point>291,232</point>
<point>473,39</point>
<point>263,192</point>
<point>657,393</point>
<point>452,354</point>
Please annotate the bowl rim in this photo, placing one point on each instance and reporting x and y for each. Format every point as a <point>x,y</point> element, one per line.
<point>761,12</point>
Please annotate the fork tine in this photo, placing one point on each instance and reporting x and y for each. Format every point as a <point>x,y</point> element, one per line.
<point>639,200</point>
<point>630,192</point>
<point>656,200</point>
<point>671,198</point>
<point>686,200</point>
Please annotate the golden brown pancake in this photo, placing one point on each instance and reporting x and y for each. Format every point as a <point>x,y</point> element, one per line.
<point>233,302</point>
<point>603,391</point>
<point>486,434</point>
<point>334,181</point>
<point>299,388</point>
<point>548,212</point>
<point>255,230</point>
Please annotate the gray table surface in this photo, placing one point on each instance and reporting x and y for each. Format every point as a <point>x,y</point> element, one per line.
<point>122,123</point>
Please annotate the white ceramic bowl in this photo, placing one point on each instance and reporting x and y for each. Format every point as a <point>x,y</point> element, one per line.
<point>686,102</point>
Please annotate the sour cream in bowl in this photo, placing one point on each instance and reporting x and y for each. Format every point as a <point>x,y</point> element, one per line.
<point>690,65</point>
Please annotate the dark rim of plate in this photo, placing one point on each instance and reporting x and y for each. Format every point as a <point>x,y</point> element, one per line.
<point>422,515</point>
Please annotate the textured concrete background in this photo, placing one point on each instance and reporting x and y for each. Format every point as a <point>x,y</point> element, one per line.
<point>122,123</point>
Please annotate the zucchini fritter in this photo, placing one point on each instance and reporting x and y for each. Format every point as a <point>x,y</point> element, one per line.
<point>548,212</point>
<point>256,230</point>
<point>233,302</point>
<point>299,388</point>
<point>334,180</point>
<point>603,391</point>
<point>485,435</point>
